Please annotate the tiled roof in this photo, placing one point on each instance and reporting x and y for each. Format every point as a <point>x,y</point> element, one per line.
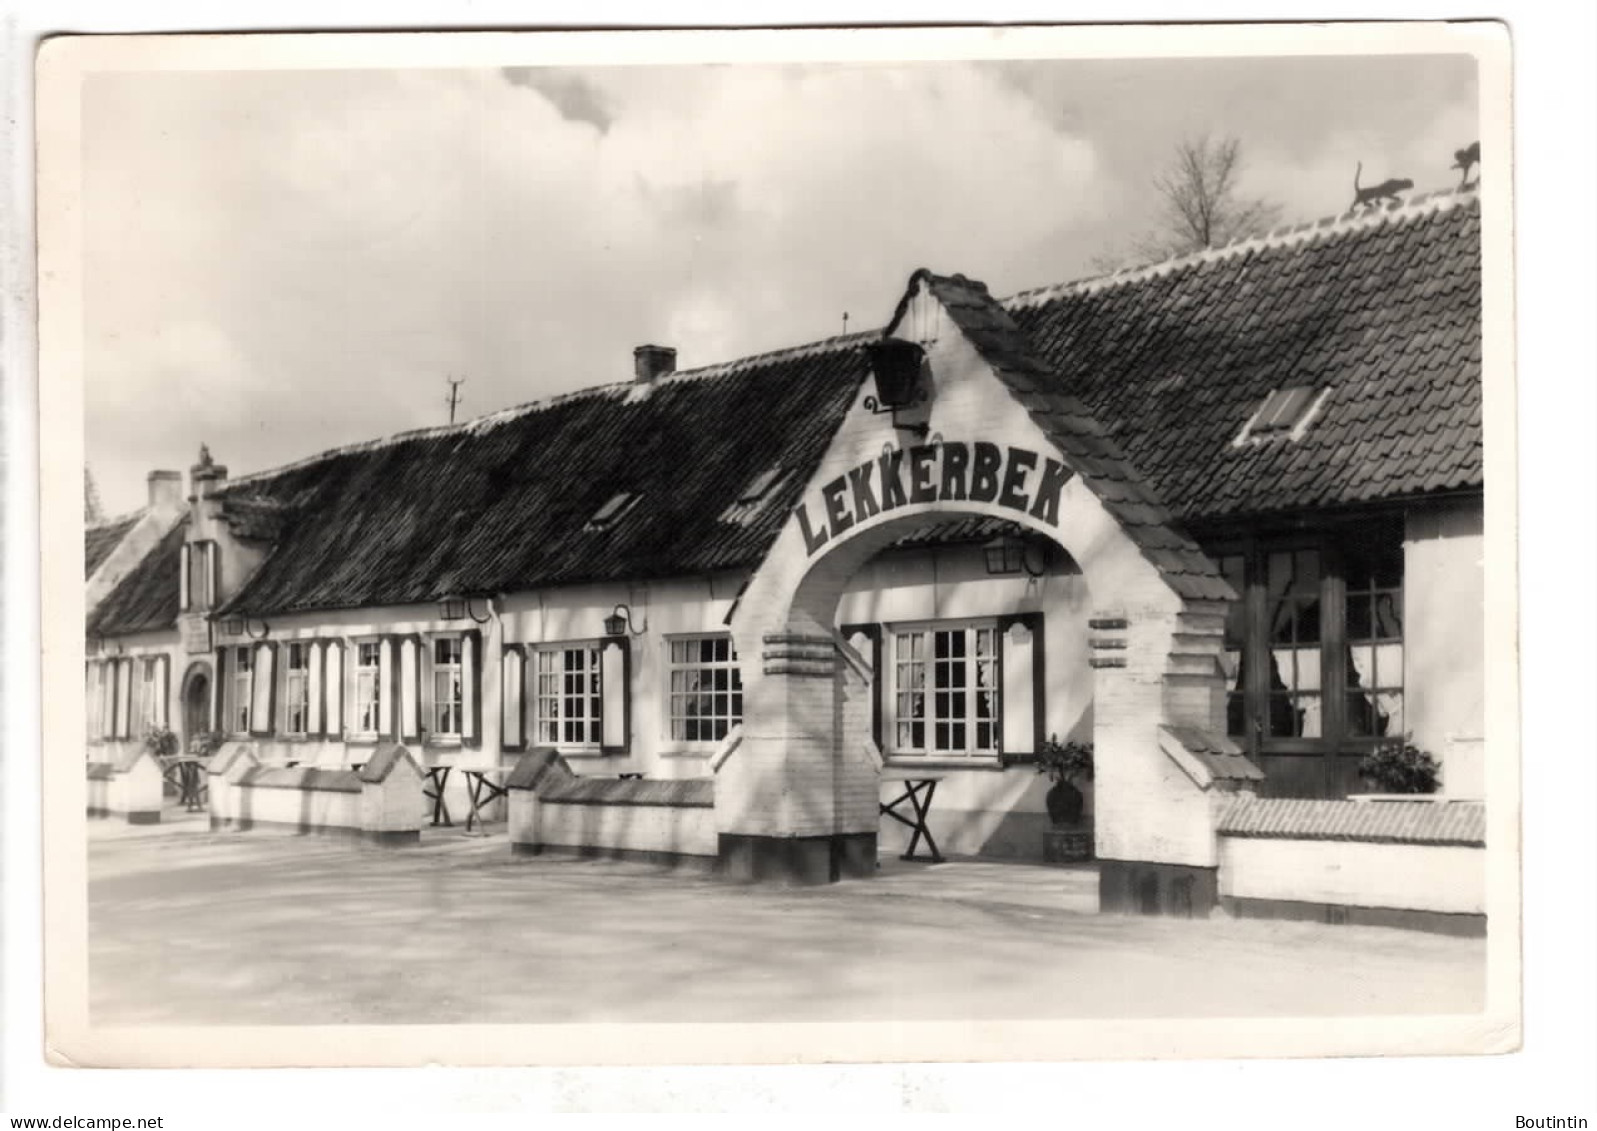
<point>1381,309</point>
<point>1143,380</point>
<point>1222,759</point>
<point>1086,447</point>
<point>503,503</point>
<point>146,599</point>
<point>99,541</point>
<point>1389,822</point>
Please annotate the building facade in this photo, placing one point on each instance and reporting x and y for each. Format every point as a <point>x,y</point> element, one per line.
<point>1222,511</point>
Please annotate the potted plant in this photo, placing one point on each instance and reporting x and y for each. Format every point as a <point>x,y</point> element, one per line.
<point>1400,767</point>
<point>161,742</point>
<point>1066,764</point>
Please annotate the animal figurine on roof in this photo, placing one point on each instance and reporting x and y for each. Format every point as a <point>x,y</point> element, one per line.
<point>1373,196</point>
<point>1464,160</point>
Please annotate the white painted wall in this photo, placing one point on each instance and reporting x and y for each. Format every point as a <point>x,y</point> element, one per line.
<point>303,808</point>
<point>1444,598</point>
<point>640,828</point>
<point>1414,877</point>
<point>136,646</point>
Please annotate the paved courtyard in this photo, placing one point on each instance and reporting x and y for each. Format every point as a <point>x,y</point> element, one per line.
<point>191,927</point>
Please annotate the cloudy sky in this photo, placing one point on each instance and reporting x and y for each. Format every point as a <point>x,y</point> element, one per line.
<point>280,262</point>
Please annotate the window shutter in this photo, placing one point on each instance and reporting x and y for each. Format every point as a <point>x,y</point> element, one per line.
<point>409,698</point>
<point>163,689</point>
<point>471,689</point>
<point>213,574</point>
<point>184,597</point>
<point>124,699</point>
<point>263,690</point>
<point>219,691</point>
<point>313,689</point>
<point>92,701</point>
<point>872,651</point>
<point>333,689</point>
<point>1022,682</point>
<point>385,681</point>
<point>615,698</point>
<point>512,698</point>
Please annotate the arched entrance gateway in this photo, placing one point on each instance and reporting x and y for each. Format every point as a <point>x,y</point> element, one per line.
<point>196,701</point>
<point>980,430</point>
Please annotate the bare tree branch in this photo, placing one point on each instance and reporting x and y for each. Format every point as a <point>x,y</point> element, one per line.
<point>1201,205</point>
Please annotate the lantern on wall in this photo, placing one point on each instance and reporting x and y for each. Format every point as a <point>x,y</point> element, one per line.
<point>619,623</point>
<point>245,626</point>
<point>896,365</point>
<point>1009,554</point>
<point>456,606</point>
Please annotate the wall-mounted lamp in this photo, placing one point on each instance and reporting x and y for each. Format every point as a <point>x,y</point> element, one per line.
<point>619,623</point>
<point>245,626</point>
<point>897,367</point>
<point>1007,555</point>
<point>459,608</point>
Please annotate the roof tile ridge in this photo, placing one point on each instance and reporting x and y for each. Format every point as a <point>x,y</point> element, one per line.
<point>1284,235</point>
<point>785,353</point>
<point>479,424</point>
<point>117,520</point>
<point>475,425</point>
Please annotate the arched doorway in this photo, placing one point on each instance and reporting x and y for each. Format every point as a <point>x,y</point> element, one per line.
<point>798,801</point>
<point>196,702</point>
<point>996,436</point>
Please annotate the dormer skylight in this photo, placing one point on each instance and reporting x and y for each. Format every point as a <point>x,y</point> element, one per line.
<point>614,507</point>
<point>1284,414</point>
<point>761,485</point>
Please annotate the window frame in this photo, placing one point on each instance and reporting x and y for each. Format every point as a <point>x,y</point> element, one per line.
<point>304,681</point>
<point>436,734</point>
<point>594,696</point>
<point>358,671</point>
<point>734,691</point>
<point>240,667</point>
<point>147,709</point>
<point>971,754</point>
<point>1334,544</point>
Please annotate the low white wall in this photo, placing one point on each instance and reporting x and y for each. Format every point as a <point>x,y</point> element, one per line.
<point>132,788</point>
<point>385,803</point>
<point>98,790</point>
<point>301,808</point>
<point>679,830</point>
<point>1412,877</point>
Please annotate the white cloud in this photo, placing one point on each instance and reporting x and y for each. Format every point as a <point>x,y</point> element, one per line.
<point>288,261</point>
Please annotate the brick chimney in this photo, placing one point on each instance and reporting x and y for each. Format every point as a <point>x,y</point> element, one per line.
<point>166,490</point>
<point>649,362</point>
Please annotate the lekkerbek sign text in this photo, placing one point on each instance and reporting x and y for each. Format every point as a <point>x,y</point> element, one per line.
<point>949,471</point>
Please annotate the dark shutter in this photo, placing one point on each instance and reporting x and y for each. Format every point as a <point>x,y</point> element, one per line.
<point>387,686</point>
<point>263,690</point>
<point>615,695</point>
<point>513,698</point>
<point>1012,683</point>
<point>874,632</point>
<point>471,688</point>
<point>163,709</point>
<point>219,719</point>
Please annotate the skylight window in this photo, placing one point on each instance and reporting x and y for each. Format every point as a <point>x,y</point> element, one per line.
<point>613,509</point>
<point>1283,410</point>
<point>761,485</point>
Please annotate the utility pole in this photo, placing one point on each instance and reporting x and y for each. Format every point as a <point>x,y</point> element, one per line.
<point>454,395</point>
